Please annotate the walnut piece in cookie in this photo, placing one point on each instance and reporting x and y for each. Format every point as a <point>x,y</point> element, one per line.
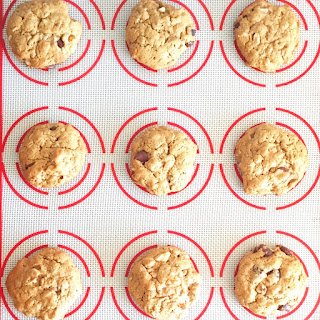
<point>45,285</point>
<point>270,281</point>
<point>271,160</point>
<point>164,282</point>
<point>267,35</point>
<point>157,34</point>
<point>51,154</point>
<point>42,34</point>
<point>162,160</point>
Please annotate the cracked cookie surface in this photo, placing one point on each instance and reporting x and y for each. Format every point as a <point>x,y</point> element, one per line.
<point>45,285</point>
<point>157,33</point>
<point>270,281</point>
<point>42,34</point>
<point>164,282</point>
<point>51,154</point>
<point>162,160</point>
<point>267,35</point>
<point>271,160</point>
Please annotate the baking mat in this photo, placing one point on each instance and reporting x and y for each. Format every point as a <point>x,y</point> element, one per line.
<point>101,218</point>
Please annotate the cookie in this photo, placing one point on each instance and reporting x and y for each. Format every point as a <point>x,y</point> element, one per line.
<point>45,285</point>
<point>271,160</point>
<point>42,34</point>
<point>162,160</point>
<point>164,282</point>
<point>267,35</point>
<point>157,34</point>
<point>270,281</point>
<point>51,154</point>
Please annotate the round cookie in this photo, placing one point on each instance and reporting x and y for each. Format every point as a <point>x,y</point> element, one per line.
<point>164,282</point>
<point>157,33</point>
<point>271,160</point>
<point>51,154</point>
<point>270,281</point>
<point>42,34</point>
<point>162,160</point>
<point>45,285</point>
<point>267,35</point>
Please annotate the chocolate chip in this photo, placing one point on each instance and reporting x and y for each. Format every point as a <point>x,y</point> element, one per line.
<point>267,251</point>
<point>286,251</point>
<point>61,177</point>
<point>189,44</point>
<point>252,135</point>
<point>60,43</point>
<point>29,165</point>
<point>283,169</point>
<point>236,25</point>
<point>285,307</point>
<point>53,128</point>
<point>193,32</point>
<point>142,156</point>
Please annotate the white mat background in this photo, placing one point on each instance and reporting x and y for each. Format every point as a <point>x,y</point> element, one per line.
<point>108,219</point>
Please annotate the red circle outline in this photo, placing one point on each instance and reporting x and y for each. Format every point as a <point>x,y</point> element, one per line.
<point>31,252</point>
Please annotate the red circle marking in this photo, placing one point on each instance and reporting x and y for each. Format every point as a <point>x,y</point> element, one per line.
<point>136,256</point>
<point>198,123</point>
<point>206,306</point>
<point>90,124</point>
<point>17,69</point>
<point>115,300</point>
<point>80,305</point>
<point>7,306</point>
<point>134,305</point>
<point>17,245</point>
<point>235,123</point>
<point>225,14</point>
<point>198,246</point>
<point>17,193</point>
<point>235,194</point>
<point>304,121</point>
<point>126,246</point>
<point>78,184</point>
<point>89,246</point>
<point>81,11</point>
<point>237,172</point>
<point>196,72</point>
<point>89,193</point>
<point>292,130</point>
<point>235,246</point>
<point>98,304</point>
<point>235,71</point>
<point>297,307</point>
<point>197,194</point>
<point>137,132</point>
<point>226,305</point>
<point>256,315</point>
<point>89,70</point>
<point>126,193</point>
<point>99,13</point>
<point>27,183</point>
<point>126,70</point>
<point>81,134</point>
<point>22,137</point>
<point>303,73</point>
<point>188,60</point>
<point>78,60</point>
<point>185,131</point>
<point>35,250</point>
<point>78,256</point>
<point>126,123</point>
<point>189,10</point>
<point>17,121</point>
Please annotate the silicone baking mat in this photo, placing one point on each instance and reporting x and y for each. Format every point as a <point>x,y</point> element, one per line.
<point>101,218</point>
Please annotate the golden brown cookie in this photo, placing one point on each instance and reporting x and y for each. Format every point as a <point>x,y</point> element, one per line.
<point>162,160</point>
<point>44,285</point>
<point>270,281</point>
<point>42,34</point>
<point>164,282</point>
<point>267,35</point>
<point>51,154</point>
<point>157,33</point>
<point>271,160</point>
